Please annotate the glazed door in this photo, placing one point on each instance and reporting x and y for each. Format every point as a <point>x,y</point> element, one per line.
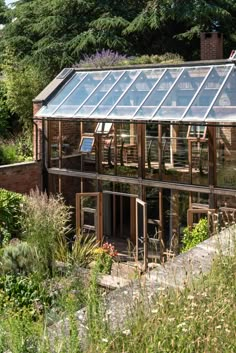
<point>141,231</point>
<point>89,214</point>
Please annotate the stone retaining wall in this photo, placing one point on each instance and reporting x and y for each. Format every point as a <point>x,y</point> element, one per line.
<point>175,273</point>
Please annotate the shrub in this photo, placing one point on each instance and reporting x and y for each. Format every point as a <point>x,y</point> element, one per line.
<point>104,258</point>
<point>16,149</point>
<point>18,258</point>
<point>45,226</point>
<point>82,252</point>
<point>195,236</point>
<point>10,214</point>
<point>101,59</point>
<point>107,58</point>
<point>19,292</point>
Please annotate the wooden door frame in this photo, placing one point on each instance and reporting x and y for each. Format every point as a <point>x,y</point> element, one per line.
<point>98,214</point>
<point>132,205</point>
<point>145,244</point>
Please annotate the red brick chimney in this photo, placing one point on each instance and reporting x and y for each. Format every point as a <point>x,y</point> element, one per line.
<point>211,46</point>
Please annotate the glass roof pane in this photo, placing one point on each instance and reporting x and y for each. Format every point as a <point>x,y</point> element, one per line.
<point>78,96</point>
<point>99,93</point>
<point>113,96</point>
<point>207,93</point>
<point>136,93</point>
<point>63,92</point>
<point>155,98</point>
<point>182,93</point>
<point>225,106</point>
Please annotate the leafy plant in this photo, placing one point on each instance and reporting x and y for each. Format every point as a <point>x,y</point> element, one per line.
<point>18,292</point>
<point>10,214</point>
<point>195,236</point>
<point>82,252</point>
<point>16,149</point>
<point>104,258</point>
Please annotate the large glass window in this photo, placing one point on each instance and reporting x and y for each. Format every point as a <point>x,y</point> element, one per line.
<point>226,156</point>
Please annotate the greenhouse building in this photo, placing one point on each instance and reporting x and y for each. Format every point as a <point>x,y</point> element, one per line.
<point>141,152</point>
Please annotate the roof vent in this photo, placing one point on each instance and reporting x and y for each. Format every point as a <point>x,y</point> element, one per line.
<point>64,73</point>
<point>232,56</point>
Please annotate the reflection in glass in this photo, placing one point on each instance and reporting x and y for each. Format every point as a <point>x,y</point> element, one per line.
<point>180,96</point>
<point>113,96</point>
<point>226,156</point>
<point>63,92</point>
<point>78,96</point>
<point>136,93</point>
<point>154,99</point>
<point>225,105</point>
<point>207,93</point>
<point>99,94</point>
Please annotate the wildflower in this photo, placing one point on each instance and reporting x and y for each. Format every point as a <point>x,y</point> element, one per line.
<point>105,340</point>
<point>171,319</point>
<point>181,324</point>
<point>126,332</point>
<point>190,297</point>
<point>218,327</point>
<point>154,311</point>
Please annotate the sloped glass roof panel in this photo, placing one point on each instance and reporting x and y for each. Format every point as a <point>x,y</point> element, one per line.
<point>135,95</point>
<point>48,109</point>
<point>224,107</point>
<point>99,94</point>
<point>80,93</point>
<point>154,99</point>
<point>113,96</point>
<point>207,93</point>
<point>200,93</point>
<point>182,93</point>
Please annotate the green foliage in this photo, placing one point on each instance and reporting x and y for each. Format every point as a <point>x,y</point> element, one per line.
<point>45,225</point>
<point>195,236</point>
<point>16,149</point>
<point>104,263</point>
<point>19,292</point>
<point>23,82</point>
<point>10,214</point>
<point>18,258</point>
<point>4,111</point>
<point>199,318</point>
<point>82,252</point>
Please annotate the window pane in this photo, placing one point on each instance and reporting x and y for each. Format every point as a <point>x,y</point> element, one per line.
<point>98,95</point>
<point>180,96</point>
<point>115,94</point>
<point>225,105</point>
<point>136,93</point>
<point>64,91</point>
<point>79,95</point>
<point>152,102</point>
<point>207,93</point>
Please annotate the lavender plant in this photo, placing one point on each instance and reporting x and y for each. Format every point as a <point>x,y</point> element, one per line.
<point>101,59</point>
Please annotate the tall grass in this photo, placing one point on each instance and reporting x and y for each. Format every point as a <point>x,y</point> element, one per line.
<point>200,318</point>
<point>45,225</point>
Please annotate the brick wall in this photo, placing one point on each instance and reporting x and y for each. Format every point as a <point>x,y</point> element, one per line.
<point>21,177</point>
<point>211,46</point>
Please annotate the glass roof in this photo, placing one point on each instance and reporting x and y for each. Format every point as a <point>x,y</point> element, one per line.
<point>200,93</point>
